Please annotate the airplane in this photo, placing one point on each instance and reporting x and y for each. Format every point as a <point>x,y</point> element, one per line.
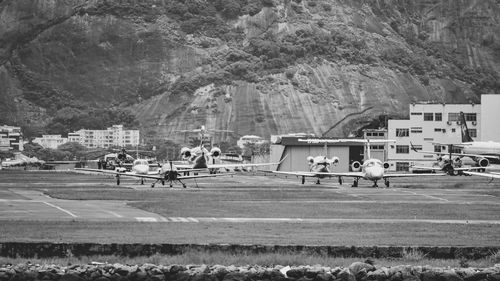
<point>139,167</point>
<point>485,150</point>
<point>319,166</point>
<point>451,167</point>
<point>372,169</point>
<point>200,158</point>
<point>167,173</point>
<point>491,175</point>
<point>481,153</point>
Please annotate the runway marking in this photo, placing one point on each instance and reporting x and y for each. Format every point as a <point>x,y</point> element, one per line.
<point>114,214</point>
<point>312,220</point>
<point>60,209</point>
<point>146,219</point>
<point>428,196</point>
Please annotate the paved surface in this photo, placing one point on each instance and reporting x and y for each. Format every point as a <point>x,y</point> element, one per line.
<point>286,199</point>
<point>22,204</point>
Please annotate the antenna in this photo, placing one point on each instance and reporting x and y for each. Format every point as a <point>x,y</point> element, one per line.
<point>326,149</point>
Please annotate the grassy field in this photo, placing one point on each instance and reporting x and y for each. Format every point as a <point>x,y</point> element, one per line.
<point>400,234</point>
<point>412,257</point>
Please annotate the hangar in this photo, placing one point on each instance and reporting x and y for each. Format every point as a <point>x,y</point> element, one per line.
<point>297,150</point>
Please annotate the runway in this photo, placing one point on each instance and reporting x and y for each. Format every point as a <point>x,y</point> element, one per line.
<point>248,208</point>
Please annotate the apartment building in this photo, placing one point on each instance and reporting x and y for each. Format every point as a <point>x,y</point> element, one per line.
<point>11,138</point>
<point>112,136</point>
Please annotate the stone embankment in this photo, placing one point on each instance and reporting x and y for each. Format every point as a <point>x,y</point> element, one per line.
<point>356,272</point>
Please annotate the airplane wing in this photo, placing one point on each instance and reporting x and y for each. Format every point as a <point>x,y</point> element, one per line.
<point>440,169</point>
<point>407,175</point>
<point>301,174</point>
<point>487,175</point>
<point>346,174</point>
<point>127,174</point>
<point>454,153</point>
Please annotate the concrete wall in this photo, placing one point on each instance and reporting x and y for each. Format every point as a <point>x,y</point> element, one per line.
<point>490,106</point>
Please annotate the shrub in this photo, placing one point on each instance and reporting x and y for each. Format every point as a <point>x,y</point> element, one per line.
<point>326,7</point>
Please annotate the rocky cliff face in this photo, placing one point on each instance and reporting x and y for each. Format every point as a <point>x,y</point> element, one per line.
<point>254,67</point>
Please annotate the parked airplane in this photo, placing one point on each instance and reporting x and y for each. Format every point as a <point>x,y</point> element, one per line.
<point>451,164</point>
<point>486,151</point>
<point>372,169</point>
<point>201,158</point>
<point>491,175</point>
<point>167,173</point>
<point>319,166</point>
<point>139,167</point>
<point>481,153</point>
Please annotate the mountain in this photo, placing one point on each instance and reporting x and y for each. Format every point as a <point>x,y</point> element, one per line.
<point>252,66</point>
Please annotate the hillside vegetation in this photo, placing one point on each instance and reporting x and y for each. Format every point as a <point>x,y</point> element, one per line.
<point>252,66</point>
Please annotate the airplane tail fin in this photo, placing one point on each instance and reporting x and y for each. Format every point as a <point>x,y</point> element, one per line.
<point>465,131</point>
<point>368,150</point>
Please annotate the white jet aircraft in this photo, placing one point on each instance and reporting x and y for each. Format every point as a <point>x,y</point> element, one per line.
<point>491,175</point>
<point>200,158</point>
<point>372,169</point>
<point>319,166</point>
<point>167,173</point>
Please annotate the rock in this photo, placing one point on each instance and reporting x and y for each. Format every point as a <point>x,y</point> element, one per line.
<point>357,266</point>
<point>71,277</point>
<point>430,276</point>
<point>377,275</point>
<point>346,275</point>
<point>296,273</point>
<point>476,276</point>
<point>176,268</point>
<point>450,276</point>
<point>235,276</point>
<point>323,276</point>
<point>494,277</point>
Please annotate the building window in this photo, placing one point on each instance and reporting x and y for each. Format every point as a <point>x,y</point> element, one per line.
<point>428,139</point>
<point>416,113</point>
<point>438,116</point>
<point>473,133</point>
<point>455,149</point>
<point>402,149</point>
<point>402,166</point>
<point>402,132</point>
<point>368,134</point>
<point>437,148</point>
<point>416,130</point>
<point>428,116</point>
<point>452,116</point>
<point>417,147</point>
<point>470,117</point>
<point>377,147</point>
<point>453,130</point>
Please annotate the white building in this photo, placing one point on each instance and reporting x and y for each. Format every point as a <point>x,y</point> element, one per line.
<point>490,131</point>
<point>11,138</point>
<point>250,139</point>
<point>113,136</point>
<point>429,124</point>
<point>50,141</point>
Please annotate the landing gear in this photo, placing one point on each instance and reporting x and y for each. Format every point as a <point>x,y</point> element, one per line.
<point>153,185</point>
<point>317,181</point>
<point>142,181</point>
<point>355,183</point>
<point>183,184</point>
<point>387,183</point>
<point>375,184</point>
<point>117,179</point>
<point>162,182</point>
<point>340,180</point>
<point>303,179</point>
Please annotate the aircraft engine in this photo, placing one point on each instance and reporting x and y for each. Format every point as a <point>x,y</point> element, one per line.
<point>186,153</point>
<point>215,152</point>
<point>334,161</point>
<point>483,162</point>
<point>310,160</point>
<point>386,165</point>
<point>356,166</point>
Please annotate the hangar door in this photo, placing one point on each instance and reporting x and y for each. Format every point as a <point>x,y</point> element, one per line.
<point>356,153</point>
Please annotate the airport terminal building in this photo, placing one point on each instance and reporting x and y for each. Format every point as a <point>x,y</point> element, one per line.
<point>428,124</point>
